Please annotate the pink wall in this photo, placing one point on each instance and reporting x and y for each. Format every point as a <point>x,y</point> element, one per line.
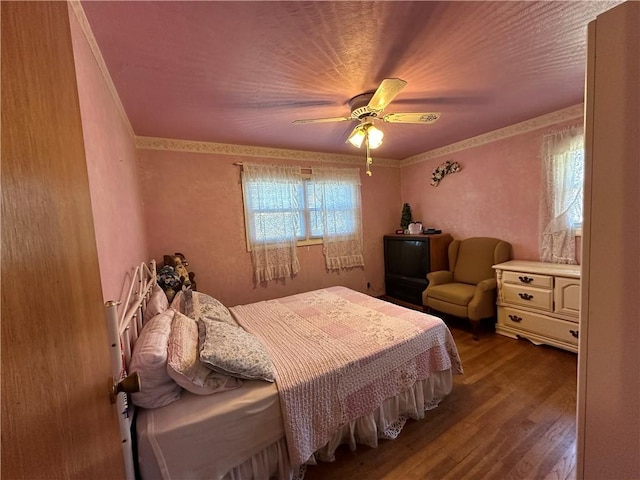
<point>193,205</point>
<point>496,193</point>
<point>112,169</point>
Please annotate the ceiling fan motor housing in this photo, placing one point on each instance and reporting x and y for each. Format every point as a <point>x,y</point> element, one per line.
<point>359,106</point>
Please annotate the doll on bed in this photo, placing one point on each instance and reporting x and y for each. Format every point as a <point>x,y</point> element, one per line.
<point>174,276</point>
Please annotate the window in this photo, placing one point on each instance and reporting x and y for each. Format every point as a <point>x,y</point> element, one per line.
<point>272,210</point>
<point>284,209</point>
<point>561,201</point>
<point>568,181</point>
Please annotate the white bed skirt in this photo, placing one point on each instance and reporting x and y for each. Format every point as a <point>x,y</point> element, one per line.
<point>386,422</point>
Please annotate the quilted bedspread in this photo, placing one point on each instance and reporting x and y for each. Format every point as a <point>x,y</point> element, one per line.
<point>339,353</point>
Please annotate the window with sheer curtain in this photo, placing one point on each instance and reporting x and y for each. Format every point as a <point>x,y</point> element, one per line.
<point>337,193</point>
<point>561,200</point>
<point>284,208</point>
<point>271,204</point>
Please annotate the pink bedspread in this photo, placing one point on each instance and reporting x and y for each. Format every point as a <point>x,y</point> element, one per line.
<point>339,353</point>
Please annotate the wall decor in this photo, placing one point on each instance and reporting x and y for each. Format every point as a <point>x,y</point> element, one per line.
<point>443,170</point>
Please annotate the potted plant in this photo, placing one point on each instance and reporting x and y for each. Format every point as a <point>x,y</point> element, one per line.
<point>406,217</point>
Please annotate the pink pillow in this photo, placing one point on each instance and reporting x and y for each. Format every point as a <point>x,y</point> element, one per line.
<point>178,301</point>
<point>149,359</point>
<point>157,302</point>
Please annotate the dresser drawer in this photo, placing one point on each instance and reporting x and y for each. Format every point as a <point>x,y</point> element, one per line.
<point>528,296</point>
<point>529,279</point>
<point>539,324</point>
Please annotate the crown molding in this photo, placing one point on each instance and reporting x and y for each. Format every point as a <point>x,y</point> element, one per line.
<point>175,145</point>
<point>570,113</point>
<point>78,11</point>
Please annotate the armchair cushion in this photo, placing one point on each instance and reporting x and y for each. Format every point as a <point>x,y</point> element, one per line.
<point>456,293</point>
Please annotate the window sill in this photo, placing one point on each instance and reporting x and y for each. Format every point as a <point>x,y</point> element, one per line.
<point>306,243</point>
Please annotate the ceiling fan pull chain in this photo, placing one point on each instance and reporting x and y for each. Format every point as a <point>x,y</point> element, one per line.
<point>369,159</point>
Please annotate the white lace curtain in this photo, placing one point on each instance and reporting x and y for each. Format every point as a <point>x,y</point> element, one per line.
<point>272,216</point>
<point>337,192</point>
<point>561,196</point>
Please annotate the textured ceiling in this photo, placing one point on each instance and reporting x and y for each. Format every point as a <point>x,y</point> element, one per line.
<point>241,72</point>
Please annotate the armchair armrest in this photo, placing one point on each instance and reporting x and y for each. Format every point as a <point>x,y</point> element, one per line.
<point>487,285</point>
<point>440,277</point>
<point>483,303</point>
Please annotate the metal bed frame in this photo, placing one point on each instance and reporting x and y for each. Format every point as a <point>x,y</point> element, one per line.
<point>124,322</point>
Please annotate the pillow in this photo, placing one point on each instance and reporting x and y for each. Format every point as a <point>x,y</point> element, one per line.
<point>149,359</point>
<point>157,302</point>
<point>204,306</point>
<point>178,302</point>
<point>234,351</point>
<point>184,365</point>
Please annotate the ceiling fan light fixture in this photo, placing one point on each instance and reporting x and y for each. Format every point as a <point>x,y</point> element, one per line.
<point>374,136</point>
<point>357,136</point>
<point>366,131</point>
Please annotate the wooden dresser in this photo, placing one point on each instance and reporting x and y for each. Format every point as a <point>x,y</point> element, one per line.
<point>539,301</point>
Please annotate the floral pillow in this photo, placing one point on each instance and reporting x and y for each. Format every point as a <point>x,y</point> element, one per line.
<point>184,365</point>
<point>204,306</point>
<point>232,350</point>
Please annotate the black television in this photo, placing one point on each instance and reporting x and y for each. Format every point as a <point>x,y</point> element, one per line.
<point>406,257</point>
<point>406,264</point>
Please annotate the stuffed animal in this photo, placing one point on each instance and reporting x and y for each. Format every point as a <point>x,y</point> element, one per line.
<point>179,259</point>
<point>174,276</point>
<point>169,281</point>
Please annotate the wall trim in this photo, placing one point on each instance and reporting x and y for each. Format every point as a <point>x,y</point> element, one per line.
<point>176,145</point>
<point>77,9</point>
<point>570,113</point>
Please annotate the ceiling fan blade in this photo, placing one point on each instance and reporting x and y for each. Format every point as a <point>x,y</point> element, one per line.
<point>426,118</point>
<point>386,92</point>
<point>443,100</point>
<point>324,120</point>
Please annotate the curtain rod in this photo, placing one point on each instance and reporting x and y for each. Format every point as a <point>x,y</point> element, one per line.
<point>240,164</point>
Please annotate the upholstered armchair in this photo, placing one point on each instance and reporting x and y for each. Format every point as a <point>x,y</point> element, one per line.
<point>468,288</point>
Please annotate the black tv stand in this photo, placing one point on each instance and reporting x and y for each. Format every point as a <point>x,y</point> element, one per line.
<point>409,287</point>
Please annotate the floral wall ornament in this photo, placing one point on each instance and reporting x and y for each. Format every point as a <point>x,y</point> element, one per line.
<point>445,169</point>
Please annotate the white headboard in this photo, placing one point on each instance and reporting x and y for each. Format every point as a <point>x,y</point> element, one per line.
<point>124,321</point>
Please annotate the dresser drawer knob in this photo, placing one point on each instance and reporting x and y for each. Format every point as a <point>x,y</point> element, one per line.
<point>515,318</point>
<point>525,296</point>
<point>574,333</point>
<point>526,279</point>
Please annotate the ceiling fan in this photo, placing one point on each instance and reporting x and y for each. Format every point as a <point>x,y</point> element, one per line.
<point>368,107</point>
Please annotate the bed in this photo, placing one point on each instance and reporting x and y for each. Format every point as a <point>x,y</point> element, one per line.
<point>310,372</point>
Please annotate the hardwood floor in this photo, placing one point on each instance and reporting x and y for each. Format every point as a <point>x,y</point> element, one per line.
<point>510,416</point>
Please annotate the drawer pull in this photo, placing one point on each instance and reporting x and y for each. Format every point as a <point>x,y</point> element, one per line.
<point>515,318</point>
<point>525,296</point>
<point>575,333</point>
<point>526,279</point>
